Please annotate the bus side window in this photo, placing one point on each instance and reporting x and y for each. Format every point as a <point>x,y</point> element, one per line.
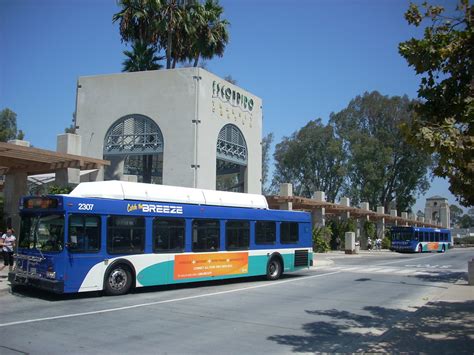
<point>125,235</point>
<point>206,235</point>
<point>168,235</point>
<point>289,233</point>
<point>237,235</point>
<point>84,233</point>
<point>265,232</point>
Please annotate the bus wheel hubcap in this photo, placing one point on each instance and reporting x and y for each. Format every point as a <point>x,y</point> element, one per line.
<point>118,279</point>
<point>273,268</point>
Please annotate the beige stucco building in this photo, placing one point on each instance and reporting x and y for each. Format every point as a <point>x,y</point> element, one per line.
<point>437,210</point>
<point>182,127</point>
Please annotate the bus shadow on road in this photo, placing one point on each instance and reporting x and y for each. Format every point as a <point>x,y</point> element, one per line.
<point>212,283</point>
<point>27,292</point>
<point>437,327</point>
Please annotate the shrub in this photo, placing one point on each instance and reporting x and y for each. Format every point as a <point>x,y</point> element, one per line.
<point>56,190</point>
<point>321,238</point>
<point>369,229</point>
<point>339,229</point>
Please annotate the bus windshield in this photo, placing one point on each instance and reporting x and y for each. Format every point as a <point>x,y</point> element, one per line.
<point>42,232</point>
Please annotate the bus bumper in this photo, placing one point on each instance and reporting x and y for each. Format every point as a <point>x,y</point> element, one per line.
<point>55,286</point>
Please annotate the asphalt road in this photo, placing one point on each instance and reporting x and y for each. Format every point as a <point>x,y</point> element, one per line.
<point>370,302</point>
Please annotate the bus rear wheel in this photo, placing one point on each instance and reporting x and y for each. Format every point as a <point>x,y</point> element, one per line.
<point>118,281</point>
<point>274,269</point>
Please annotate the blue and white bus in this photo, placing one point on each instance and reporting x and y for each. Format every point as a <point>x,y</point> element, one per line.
<point>113,236</point>
<point>418,239</point>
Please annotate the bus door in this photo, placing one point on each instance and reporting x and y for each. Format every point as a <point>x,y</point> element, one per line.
<point>84,253</point>
<point>168,241</point>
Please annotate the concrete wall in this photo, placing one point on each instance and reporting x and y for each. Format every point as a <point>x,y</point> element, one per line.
<point>173,99</point>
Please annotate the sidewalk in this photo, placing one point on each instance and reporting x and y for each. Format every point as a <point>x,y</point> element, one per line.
<point>4,284</point>
<point>324,259</point>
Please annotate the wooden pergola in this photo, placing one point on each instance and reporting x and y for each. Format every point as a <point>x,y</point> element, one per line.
<point>308,204</point>
<point>17,158</point>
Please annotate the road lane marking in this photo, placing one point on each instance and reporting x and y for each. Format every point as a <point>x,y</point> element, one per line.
<point>387,270</point>
<point>163,302</point>
<point>405,260</point>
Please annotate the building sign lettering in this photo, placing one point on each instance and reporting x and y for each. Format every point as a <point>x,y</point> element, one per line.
<point>233,97</point>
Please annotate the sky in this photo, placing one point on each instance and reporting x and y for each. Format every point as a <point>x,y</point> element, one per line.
<point>305,59</point>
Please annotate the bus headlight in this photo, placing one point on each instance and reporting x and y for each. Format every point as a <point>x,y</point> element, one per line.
<point>50,274</point>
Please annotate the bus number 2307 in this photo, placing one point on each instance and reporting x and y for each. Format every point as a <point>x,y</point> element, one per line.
<point>86,206</point>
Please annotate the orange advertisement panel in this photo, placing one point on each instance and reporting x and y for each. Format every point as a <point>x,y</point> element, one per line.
<point>210,264</point>
<point>433,246</point>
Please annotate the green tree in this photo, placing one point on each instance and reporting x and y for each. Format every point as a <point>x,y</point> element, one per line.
<point>142,57</point>
<point>444,123</point>
<point>184,29</point>
<point>466,222</point>
<point>173,24</point>
<point>312,159</point>
<point>56,189</point>
<point>370,229</point>
<point>455,213</point>
<point>384,169</point>
<point>138,20</point>
<point>8,129</point>
<point>266,146</point>
<point>209,36</point>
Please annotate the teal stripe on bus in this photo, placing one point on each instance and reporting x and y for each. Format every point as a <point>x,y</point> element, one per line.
<point>162,273</point>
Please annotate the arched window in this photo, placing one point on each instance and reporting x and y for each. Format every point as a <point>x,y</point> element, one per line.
<point>231,162</point>
<point>137,142</point>
<point>133,134</point>
<point>231,145</point>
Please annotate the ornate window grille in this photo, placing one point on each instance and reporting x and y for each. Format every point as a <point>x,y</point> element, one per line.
<point>133,135</point>
<point>231,146</point>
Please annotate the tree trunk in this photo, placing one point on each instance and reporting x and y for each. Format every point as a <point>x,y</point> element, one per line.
<point>196,61</point>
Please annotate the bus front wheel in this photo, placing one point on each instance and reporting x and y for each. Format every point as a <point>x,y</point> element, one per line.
<point>118,281</point>
<point>274,269</point>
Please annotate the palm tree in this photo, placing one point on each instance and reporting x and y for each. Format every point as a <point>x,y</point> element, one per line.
<point>210,35</point>
<point>186,29</point>
<point>141,58</point>
<point>139,20</point>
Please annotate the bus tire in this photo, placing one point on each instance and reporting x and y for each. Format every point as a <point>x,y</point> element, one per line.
<point>118,280</point>
<point>420,248</point>
<point>274,268</point>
